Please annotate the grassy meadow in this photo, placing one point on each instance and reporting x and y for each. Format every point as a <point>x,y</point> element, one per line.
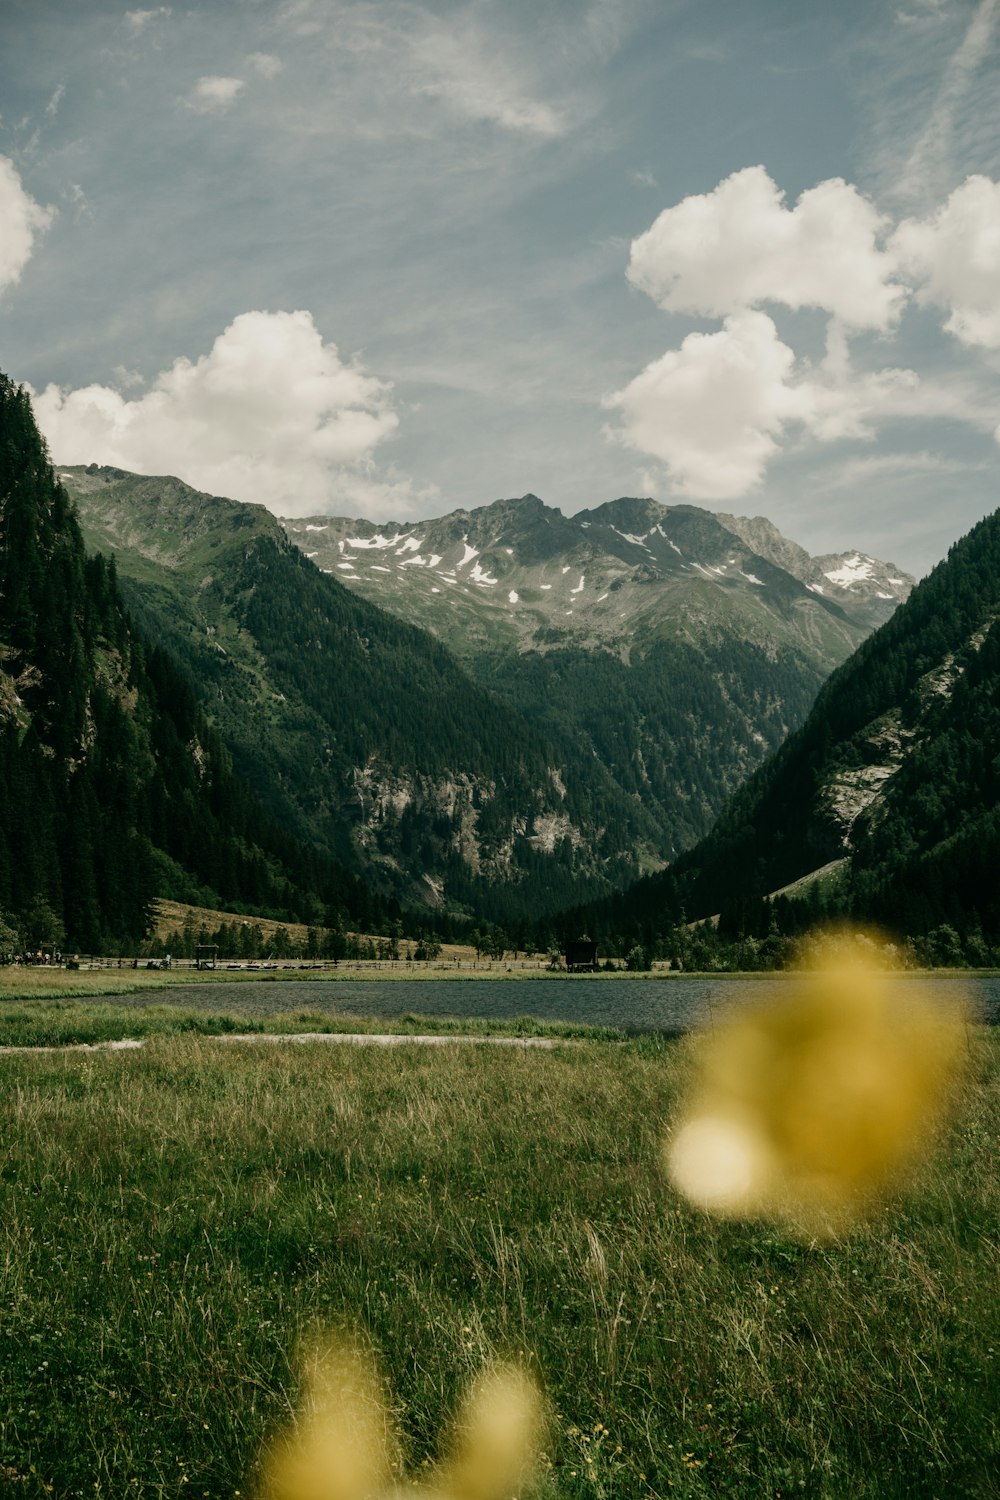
<point>174,1220</point>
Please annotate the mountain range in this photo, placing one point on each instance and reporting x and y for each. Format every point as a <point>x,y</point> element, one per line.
<point>191,705</point>
<point>520,575</point>
<point>586,698</point>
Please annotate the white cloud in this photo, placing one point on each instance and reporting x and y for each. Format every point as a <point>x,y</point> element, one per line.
<point>719,408</point>
<point>739,246</point>
<point>714,410</point>
<point>928,161</point>
<point>272,414</point>
<point>889,466</point>
<point>21,220</point>
<point>955,253</point>
<point>475,83</point>
<point>266,65</point>
<point>52,108</point>
<point>138,20</point>
<point>212,94</point>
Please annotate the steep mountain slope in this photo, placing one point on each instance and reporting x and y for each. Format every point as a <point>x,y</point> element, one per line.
<point>654,641</point>
<point>896,773</point>
<point>357,729</point>
<point>113,788</point>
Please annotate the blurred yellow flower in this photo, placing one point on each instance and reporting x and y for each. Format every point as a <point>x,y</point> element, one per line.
<point>807,1105</point>
<point>342,1446</point>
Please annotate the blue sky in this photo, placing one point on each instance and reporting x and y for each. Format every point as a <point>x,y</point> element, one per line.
<point>391,258</point>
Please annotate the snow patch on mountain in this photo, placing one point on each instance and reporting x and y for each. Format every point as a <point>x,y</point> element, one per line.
<point>854,569</point>
<point>379,542</point>
<point>628,536</point>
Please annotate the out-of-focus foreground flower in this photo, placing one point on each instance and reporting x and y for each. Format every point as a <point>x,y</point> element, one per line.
<point>342,1446</point>
<point>808,1106</point>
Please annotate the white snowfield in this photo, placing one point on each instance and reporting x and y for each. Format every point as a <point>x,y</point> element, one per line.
<point>853,570</point>
<point>378,541</point>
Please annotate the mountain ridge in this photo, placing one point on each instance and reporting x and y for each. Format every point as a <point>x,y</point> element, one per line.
<point>495,565</point>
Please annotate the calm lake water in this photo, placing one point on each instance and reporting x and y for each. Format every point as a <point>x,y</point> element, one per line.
<point>674,1004</point>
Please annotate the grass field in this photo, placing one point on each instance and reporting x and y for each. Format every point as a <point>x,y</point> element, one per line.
<point>173,1220</point>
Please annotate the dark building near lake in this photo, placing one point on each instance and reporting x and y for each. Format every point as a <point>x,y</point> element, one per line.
<point>581,956</point>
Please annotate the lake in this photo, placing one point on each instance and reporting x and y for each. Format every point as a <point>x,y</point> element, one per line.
<point>671,1003</point>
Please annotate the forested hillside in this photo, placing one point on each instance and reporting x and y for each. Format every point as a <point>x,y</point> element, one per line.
<point>360,731</point>
<point>113,787</point>
<point>893,782</point>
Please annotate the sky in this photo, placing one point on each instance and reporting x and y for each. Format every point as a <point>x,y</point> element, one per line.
<point>394,257</point>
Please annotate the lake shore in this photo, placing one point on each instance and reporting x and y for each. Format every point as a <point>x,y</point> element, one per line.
<point>107,980</point>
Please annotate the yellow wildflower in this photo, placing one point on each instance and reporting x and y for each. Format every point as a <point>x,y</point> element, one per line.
<point>809,1104</point>
<point>342,1446</point>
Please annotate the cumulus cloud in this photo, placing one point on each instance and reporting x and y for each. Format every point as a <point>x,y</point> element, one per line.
<point>271,414</point>
<point>21,221</point>
<point>955,254</point>
<point>739,246</point>
<point>715,410</point>
<point>212,94</point>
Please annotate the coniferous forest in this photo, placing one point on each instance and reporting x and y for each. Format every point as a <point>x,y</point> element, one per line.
<point>892,787</point>
<point>113,787</point>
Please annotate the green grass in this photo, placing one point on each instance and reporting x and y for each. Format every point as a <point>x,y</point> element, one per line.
<point>63,1023</point>
<point>172,1220</point>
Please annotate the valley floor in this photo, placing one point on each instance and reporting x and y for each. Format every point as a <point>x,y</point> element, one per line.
<point>175,1218</point>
